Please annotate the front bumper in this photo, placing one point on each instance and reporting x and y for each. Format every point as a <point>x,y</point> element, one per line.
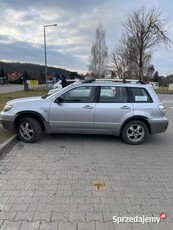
<point>7,122</point>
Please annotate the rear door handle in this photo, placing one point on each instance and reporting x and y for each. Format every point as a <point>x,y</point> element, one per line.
<point>87,107</point>
<point>125,107</point>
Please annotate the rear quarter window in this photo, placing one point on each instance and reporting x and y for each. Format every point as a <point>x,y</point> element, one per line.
<point>140,95</point>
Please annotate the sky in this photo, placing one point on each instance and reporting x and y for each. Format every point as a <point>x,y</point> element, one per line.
<point>69,43</point>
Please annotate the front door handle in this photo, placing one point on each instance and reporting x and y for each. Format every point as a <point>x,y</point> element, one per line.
<point>87,107</point>
<point>125,107</point>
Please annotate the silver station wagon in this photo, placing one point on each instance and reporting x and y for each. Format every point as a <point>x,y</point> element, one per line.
<point>131,110</point>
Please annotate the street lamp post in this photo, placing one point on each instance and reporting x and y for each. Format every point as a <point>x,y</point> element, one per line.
<point>45,54</point>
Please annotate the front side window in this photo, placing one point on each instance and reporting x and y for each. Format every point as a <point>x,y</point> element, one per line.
<point>140,95</point>
<point>83,94</point>
<point>113,94</point>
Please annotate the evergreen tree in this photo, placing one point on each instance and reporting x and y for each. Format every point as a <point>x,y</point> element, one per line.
<point>156,77</point>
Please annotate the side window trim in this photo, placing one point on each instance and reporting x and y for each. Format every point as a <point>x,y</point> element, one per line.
<point>97,94</point>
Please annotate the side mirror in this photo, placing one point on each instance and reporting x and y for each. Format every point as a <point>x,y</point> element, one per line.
<point>59,100</point>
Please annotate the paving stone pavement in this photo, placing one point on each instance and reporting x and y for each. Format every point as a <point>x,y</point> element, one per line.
<point>79,182</point>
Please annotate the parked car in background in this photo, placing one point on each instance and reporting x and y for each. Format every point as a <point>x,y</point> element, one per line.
<point>155,85</point>
<point>2,81</point>
<point>130,110</point>
<point>50,84</point>
<point>57,86</point>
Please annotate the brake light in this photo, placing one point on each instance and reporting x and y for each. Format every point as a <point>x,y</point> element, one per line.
<point>162,108</point>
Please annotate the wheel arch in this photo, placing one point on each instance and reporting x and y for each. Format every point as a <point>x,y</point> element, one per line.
<point>32,114</point>
<point>139,118</point>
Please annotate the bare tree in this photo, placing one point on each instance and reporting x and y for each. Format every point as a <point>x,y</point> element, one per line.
<point>99,54</point>
<point>119,65</point>
<point>144,30</point>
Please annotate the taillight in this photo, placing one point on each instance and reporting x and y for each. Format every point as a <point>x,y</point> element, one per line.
<point>162,108</point>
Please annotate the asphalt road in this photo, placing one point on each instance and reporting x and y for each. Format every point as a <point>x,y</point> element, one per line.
<point>10,88</point>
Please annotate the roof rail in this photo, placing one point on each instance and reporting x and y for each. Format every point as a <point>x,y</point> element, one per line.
<point>88,80</point>
<point>115,80</point>
<point>133,80</point>
<point>142,82</point>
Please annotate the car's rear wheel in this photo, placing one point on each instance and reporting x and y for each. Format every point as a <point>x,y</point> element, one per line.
<point>29,130</point>
<point>135,132</point>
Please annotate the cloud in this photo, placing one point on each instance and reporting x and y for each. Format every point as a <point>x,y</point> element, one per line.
<point>68,44</point>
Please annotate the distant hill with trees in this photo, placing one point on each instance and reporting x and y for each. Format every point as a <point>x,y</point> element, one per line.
<point>34,71</point>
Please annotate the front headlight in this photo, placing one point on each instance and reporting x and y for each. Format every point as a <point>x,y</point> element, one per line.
<point>7,108</point>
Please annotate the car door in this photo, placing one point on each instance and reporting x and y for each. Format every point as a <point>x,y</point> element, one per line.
<point>112,109</point>
<point>73,111</point>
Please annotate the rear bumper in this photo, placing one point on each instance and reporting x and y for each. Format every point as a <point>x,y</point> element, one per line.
<point>158,126</point>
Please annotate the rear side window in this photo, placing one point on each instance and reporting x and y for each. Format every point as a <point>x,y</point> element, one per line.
<point>113,94</point>
<point>140,95</point>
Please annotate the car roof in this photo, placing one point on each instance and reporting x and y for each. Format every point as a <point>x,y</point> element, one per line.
<point>112,82</point>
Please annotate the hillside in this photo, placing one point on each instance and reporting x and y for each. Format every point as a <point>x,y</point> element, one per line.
<point>34,70</point>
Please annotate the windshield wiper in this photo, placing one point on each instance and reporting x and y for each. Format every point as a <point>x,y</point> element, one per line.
<point>44,96</point>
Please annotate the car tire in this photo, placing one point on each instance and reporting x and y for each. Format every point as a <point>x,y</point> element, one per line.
<point>135,132</point>
<point>29,130</point>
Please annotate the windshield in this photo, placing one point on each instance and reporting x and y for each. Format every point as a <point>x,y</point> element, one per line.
<point>53,92</point>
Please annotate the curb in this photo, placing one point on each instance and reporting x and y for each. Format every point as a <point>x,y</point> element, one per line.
<point>8,144</point>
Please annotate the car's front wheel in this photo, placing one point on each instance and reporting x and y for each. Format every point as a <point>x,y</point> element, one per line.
<point>135,132</point>
<point>29,130</point>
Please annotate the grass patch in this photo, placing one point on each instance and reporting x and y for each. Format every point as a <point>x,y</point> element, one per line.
<point>4,97</point>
